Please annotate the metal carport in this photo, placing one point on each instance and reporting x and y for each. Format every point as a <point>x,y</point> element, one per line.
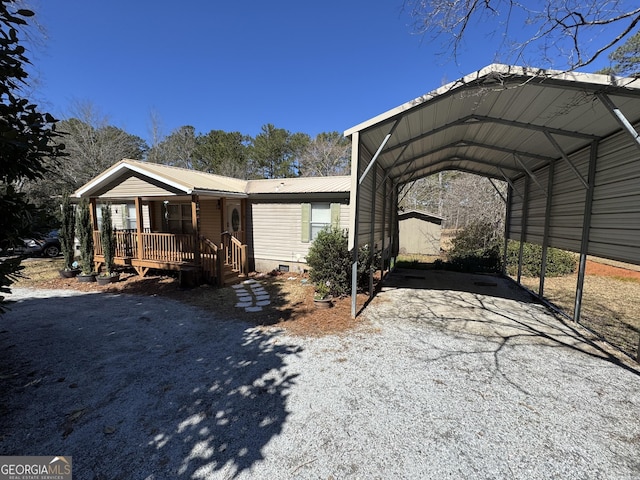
<point>566,144</point>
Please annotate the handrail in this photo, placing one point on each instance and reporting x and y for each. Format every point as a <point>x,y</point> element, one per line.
<point>235,253</point>
<point>209,255</point>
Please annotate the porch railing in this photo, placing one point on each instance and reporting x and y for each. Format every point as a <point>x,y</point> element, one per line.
<point>178,248</point>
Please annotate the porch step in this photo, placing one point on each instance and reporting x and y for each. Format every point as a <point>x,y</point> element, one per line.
<point>230,276</point>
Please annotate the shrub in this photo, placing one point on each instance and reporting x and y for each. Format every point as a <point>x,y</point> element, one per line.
<point>559,262</point>
<point>85,235</point>
<point>67,232</point>
<point>330,261</point>
<point>367,264</point>
<point>108,239</point>
<point>476,249</point>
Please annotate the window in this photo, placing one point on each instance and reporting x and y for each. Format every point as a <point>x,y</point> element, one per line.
<point>320,218</point>
<point>130,222</point>
<point>179,218</point>
<point>317,216</point>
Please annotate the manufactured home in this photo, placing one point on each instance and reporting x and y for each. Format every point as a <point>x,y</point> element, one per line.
<point>171,218</point>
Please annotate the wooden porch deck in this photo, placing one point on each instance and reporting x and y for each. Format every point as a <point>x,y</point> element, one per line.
<point>174,252</point>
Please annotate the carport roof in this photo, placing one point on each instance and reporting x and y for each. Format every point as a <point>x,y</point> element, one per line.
<point>500,122</point>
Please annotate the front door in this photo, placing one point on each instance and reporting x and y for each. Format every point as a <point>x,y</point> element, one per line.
<point>234,218</point>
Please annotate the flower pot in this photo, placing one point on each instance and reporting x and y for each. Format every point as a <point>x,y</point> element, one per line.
<point>322,303</point>
<point>69,273</point>
<point>86,278</point>
<point>107,279</point>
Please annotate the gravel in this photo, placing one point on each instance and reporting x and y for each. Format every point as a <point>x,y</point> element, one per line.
<point>435,383</point>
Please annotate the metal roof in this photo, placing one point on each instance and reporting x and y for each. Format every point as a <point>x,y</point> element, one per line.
<point>300,185</point>
<point>497,122</point>
<point>182,179</point>
<point>566,143</point>
<point>189,182</point>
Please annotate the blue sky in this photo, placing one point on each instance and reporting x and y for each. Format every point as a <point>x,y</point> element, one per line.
<point>305,66</point>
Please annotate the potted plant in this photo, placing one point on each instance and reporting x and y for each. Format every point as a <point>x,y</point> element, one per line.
<point>67,234</point>
<point>85,234</point>
<point>322,297</point>
<point>108,240</point>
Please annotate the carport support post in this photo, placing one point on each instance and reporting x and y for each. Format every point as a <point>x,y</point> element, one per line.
<point>372,234</point>
<point>384,221</point>
<point>586,228</point>
<point>547,219</point>
<point>353,233</point>
<point>523,229</point>
<point>507,228</point>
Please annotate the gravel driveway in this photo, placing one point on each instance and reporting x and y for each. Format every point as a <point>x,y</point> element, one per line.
<point>435,384</point>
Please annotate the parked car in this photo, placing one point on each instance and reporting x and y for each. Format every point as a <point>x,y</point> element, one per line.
<point>46,245</point>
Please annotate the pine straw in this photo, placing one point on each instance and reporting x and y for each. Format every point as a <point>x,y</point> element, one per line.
<point>292,307</point>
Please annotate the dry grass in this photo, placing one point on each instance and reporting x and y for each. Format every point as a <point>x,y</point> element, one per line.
<point>609,305</point>
<point>292,306</point>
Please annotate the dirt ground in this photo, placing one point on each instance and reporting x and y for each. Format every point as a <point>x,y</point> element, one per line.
<point>609,304</point>
<point>292,307</point>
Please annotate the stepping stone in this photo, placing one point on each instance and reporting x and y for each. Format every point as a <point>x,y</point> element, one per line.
<point>253,309</point>
<point>263,303</point>
<point>261,298</point>
<point>244,304</point>
<point>247,298</point>
<point>259,291</point>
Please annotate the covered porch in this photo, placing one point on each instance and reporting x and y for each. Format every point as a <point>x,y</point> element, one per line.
<point>200,234</point>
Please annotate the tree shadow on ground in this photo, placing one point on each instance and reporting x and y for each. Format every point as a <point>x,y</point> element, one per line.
<point>140,386</point>
<point>483,306</point>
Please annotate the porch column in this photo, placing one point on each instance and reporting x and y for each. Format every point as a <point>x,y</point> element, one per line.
<point>93,212</point>
<point>223,214</point>
<point>243,220</point>
<point>139,219</point>
<point>195,207</point>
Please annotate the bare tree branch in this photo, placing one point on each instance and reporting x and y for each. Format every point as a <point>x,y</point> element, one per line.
<point>564,34</point>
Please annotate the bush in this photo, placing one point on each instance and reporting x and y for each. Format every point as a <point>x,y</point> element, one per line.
<point>559,262</point>
<point>476,249</point>
<point>330,261</point>
<point>108,239</point>
<point>85,235</point>
<point>67,232</point>
<point>367,264</point>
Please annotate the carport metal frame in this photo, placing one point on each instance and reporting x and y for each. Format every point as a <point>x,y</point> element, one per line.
<point>489,159</point>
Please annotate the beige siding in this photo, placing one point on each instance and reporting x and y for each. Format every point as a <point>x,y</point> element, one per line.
<point>276,231</point>
<point>135,187</point>
<point>419,237</point>
<point>210,220</point>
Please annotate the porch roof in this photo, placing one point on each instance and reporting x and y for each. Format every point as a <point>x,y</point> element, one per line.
<point>180,181</point>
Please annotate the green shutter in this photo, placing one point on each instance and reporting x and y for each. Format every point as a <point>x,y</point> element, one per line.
<point>335,215</point>
<point>306,223</point>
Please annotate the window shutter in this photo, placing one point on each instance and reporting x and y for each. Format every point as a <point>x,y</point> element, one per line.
<point>335,215</point>
<point>306,222</point>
